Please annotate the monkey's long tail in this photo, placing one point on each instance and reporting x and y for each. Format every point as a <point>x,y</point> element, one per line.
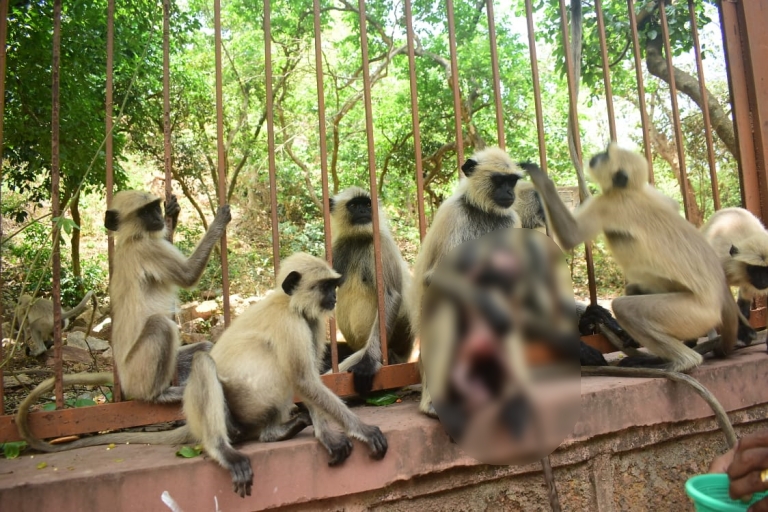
<point>720,414</point>
<point>176,436</point>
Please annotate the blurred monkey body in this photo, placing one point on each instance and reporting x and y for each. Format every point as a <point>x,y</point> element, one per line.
<point>357,312</point>
<point>36,320</point>
<point>677,288</point>
<point>243,388</point>
<point>741,242</point>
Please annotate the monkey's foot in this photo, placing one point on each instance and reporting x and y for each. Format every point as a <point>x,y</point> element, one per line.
<point>377,443</point>
<point>338,445</point>
<point>746,335</point>
<point>691,343</point>
<point>590,356</point>
<point>242,473</point>
<point>363,374</point>
<point>644,362</point>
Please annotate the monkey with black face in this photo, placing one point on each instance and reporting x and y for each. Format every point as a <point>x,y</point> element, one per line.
<point>243,388</point>
<point>36,320</point>
<point>357,313</point>
<point>741,242</point>
<point>678,287</point>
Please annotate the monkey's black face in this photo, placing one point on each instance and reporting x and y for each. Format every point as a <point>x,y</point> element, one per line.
<point>598,159</point>
<point>151,216</point>
<point>359,210</point>
<point>758,276</point>
<point>504,188</point>
<point>328,293</point>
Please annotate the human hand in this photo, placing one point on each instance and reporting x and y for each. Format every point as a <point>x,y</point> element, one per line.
<point>747,468</point>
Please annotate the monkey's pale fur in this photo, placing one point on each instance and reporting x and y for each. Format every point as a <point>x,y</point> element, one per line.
<point>357,311</point>
<point>243,388</point>
<point>740,229</point>
<point>467,215</point>
<point>676,286</point>
<point>36,320</point>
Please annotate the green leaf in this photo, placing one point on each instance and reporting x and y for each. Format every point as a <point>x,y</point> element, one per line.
<point>652,34</point>
<point>49,407</point>
<point>382,399</point>
<point>188,452</point>
<point>84,402</point>
<point>12,450</point>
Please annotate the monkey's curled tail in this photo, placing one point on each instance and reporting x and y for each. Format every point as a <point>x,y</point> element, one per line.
<point>176,436</point>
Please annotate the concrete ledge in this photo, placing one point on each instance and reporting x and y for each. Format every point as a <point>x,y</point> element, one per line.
<point>618,415</point>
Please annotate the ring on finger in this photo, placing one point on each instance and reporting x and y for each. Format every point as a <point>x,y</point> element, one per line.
<point>764,476</point>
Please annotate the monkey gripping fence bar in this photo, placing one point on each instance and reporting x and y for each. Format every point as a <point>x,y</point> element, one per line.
<point>132,413</point>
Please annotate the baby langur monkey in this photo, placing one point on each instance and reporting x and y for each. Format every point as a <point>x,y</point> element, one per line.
<point>36,320</point>
<point>357,313</point>
<point>243,388</point>
<point>741,242</point>
<point>677,289</point>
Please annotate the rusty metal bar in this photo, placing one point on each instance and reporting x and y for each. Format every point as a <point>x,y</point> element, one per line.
<point>323,164</point>
<point>573,102</point>
<point>415,118</point>
<point>372,172</point>
<point>167,108</point>
<point>675,111</point>
<point>496,78</point>
<point>705,110</point>
<point>3,38</point>
<point>271,136</point>
<point>109,156</point>
<point>222,162</point>
<point>640,87</point>
<point>536,86</point>
<point>455,86</point>
<point>55,206</point>
<point>606,69</point>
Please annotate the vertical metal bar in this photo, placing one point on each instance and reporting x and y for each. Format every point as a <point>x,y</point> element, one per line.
<point>705,110</point>
<point>415,119</point>
<point>606,69</point>
<point>222,163</point>
<point>323,165</point>
<point>536,86</point>
<point>455,86</point>
<point>675,111</point>
<point>640,88</point>
<point>573,101</point>
<point>55,203</point>
<point>109,157</point>
<point>496,78</point>
<point>3,37</point>
<point>271,137</point>
<point>167,107</point>
<point>372,172</point>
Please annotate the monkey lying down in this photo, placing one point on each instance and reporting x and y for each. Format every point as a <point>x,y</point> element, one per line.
<point>244,388</point>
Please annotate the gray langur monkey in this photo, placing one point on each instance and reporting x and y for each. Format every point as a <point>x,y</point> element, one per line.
<point>530,207</point>
<point>357,312</point>
<point>243,388</point>
<point>677,288</point>
<point>741,242</point>
<point>35,317</point>
<point>147,271</point>
<point>481,203</point>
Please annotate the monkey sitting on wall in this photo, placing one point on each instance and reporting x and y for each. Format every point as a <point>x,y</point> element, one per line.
<point>677,289</point>
<point>741,242</point>
<point>36,320</point>
<point>357,313</point>
<point>243,388</point>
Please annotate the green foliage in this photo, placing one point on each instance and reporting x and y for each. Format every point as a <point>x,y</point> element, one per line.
<point>12,450</point>
<point>381,399</point>
<point>189,451</point>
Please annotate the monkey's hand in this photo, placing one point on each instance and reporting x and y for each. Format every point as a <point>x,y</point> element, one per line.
<point>223,216</point>
<point>377,443</point>
<point>363,374</point>
<point>747,334</point>
<point>338,445</point>
<point>538,177</point>
<point>172,210</point>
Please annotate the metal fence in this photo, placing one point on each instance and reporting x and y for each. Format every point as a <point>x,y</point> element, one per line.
<point>744,38</point>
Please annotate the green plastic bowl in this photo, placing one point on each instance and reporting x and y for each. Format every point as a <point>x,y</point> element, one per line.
<point>710,494</point>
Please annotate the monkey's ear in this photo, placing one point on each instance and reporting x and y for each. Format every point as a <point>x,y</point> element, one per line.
<point>734,251</point>
<point>112,220</point>
<point>291,282</point>
<point>331,204</point>
<point>620,179</point>
<point>469,167</point>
